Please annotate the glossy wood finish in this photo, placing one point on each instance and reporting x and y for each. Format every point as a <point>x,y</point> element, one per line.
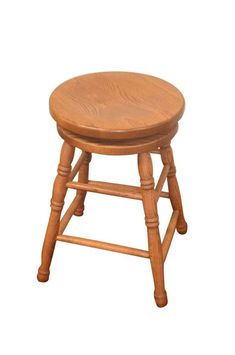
<point>152,222</point>
<point>57,203</point>
<point>103,245</point>
<point>108,188</point>
<point>121,147</point>
<point>116,105</point>
<point>116,113</point>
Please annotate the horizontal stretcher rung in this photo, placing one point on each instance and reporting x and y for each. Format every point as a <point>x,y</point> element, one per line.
<point>164,194</point>
<point>109,188</point>
<point>103,245</point>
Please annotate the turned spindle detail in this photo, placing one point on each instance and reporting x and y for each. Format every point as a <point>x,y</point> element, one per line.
<point>174,191</point>
<point>116,113</point>
<point>152,222</point>
<point>83,177</point>
<point>57,202</point>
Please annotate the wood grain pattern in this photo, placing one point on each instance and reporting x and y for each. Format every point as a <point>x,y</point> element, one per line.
<point>116,105</point>
<point>116,113</point>
<point>128,146</point>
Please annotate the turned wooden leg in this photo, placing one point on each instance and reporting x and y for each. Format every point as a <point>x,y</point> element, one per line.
<point>174,191</point>
<point>83,177</point>
<point>57,202</point>
<point>151,220</point>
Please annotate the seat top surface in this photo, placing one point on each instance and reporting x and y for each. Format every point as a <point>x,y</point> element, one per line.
<point>116,105</point>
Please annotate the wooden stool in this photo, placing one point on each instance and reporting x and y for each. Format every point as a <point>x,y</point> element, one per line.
<point>116,113</point>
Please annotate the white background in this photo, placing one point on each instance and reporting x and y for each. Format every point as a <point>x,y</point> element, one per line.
<point>98,302</point>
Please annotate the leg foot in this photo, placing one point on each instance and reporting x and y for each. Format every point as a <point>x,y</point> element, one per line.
<point>79,211</point>
<point>43,276</point>
<point>161,301</point>
<point>182,228</point>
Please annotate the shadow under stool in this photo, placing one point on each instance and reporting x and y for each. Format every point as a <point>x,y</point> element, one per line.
<point>116,113</point>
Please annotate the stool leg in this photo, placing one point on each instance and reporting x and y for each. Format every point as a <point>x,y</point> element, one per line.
<point>83,177</point>
<point>151,220</point>
<point>57,202</point>
<point>174,191</point>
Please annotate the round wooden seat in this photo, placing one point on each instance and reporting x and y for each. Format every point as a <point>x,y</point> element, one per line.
<point>116,106</point>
